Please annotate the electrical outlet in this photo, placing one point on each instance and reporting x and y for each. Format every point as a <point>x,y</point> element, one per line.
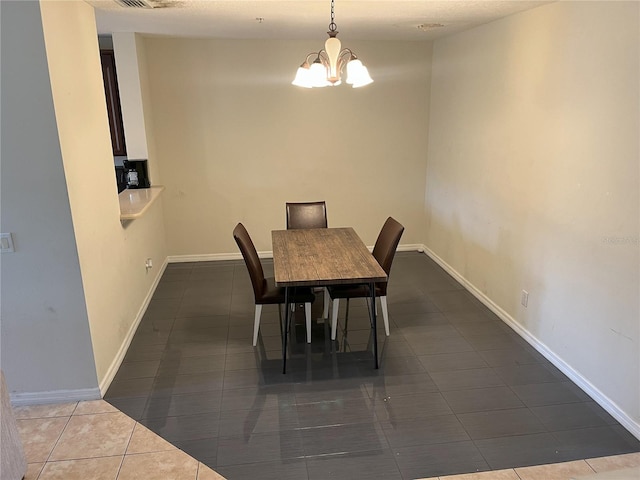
<point>524,298</point>
<point>6,240</point>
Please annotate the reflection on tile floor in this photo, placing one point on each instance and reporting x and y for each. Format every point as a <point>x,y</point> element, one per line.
<point>457,391</point>
<point>149,456</point>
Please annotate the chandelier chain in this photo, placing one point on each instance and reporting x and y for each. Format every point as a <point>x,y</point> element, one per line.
<point>332,26</point>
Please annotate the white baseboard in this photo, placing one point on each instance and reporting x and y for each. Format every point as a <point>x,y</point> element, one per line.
<point>410,247</point>
<point>206,257</point>
<point>117,361</point>
<point>212,257</point>
<point>55,396</point>
<point>600,398</point>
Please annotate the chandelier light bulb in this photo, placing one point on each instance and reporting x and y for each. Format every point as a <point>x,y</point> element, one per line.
<point>357,74</point>
<point>318,75</point>
<point>302,76</point>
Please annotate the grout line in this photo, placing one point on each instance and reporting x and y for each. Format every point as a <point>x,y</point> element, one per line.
<point>56,442</point>
<point>119,467</point>
<point>126,448</point>
<point>41,470</point>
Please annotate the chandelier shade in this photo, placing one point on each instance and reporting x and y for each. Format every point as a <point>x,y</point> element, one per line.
<point>324,68</point>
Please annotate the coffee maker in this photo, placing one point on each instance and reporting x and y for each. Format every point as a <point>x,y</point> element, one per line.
<point>136,173</point>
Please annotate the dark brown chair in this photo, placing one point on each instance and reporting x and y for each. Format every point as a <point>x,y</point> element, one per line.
<point>383,251</point>
<point>264,289</point>
<point>306,215</point>
<point>309,215</point>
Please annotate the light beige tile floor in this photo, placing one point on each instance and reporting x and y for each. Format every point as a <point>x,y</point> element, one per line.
<point>557,471</point>
<point>94,440</point>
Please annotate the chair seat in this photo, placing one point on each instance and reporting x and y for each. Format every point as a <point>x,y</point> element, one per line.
<point>384,250</point>
<point>265,290</point>
<point>274,295</point>
<point>356,291</point>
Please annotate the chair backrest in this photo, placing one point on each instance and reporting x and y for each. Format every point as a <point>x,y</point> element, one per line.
<point>306,215</point>
<point>387,242</point>
<point>251,259</point>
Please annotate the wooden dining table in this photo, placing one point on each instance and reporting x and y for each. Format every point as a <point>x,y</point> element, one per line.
<point>322,257</point>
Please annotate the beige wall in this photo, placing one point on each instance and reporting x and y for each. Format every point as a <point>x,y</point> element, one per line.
<point>533,181</point>
<point>112,257</point>
<point>46,343</point>
<point>235,140</point>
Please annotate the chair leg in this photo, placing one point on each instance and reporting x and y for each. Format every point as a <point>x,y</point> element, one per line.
<point>334,317</point>
<point>385,314</point>
<point>346,318</point>
<point>325,310</point>
<point>307,314</point>
<point>256,324</point>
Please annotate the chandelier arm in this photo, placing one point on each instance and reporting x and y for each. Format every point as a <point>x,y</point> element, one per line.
<point>324,58</point>
<point>307,59</point>
<point>346,50</point>
<point>345,56</point>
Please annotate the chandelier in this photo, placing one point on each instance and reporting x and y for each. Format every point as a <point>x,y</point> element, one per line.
<point>326,68</point>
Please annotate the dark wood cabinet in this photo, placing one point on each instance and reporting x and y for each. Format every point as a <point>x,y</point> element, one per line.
<point>112,95</point>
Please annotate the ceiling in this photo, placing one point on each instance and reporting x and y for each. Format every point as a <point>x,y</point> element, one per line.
<point>304,19</point>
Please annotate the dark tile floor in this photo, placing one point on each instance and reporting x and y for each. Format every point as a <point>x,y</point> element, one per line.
<point>457,390</point>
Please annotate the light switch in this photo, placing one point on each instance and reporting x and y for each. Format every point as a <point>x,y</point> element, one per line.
<point>6,241</point>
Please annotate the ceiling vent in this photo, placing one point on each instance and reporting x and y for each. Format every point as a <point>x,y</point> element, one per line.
<point>137,3</point>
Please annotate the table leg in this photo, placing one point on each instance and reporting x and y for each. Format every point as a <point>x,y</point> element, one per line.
<point>372,288</point>
<point>286,330</point>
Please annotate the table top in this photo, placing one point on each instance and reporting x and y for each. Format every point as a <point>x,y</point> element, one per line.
<point>323,256</point>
